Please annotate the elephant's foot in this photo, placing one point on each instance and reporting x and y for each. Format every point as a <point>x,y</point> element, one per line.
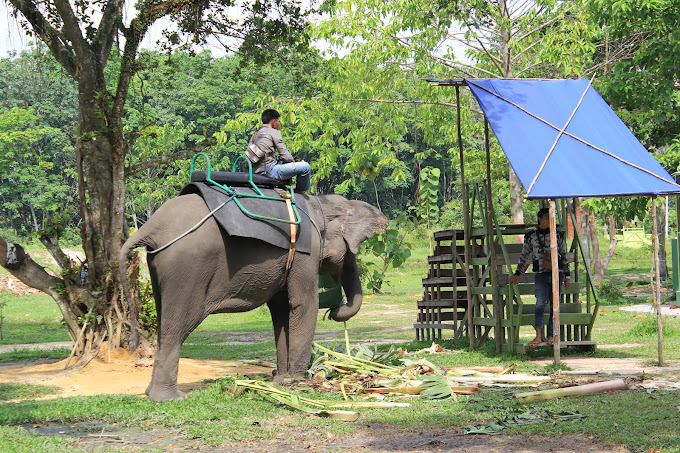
<point>278,377</point>
<point>287,377</point>
<point>164,394</point>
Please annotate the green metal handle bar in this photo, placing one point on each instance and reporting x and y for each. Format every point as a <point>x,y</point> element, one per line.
<point>238,195</point>
<point>261,196</point>
<point>250,173</point>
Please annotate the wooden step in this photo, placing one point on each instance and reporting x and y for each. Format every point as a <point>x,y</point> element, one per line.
<point>443,303</point>
<point>444,235</point>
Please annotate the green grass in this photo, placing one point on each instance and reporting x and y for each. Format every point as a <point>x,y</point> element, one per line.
<point>213,416</point>
<point>24,391</point>
<point>34,354</point>
<point>33,318</point>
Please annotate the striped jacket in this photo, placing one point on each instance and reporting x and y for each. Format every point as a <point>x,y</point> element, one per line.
<point>536,245</point>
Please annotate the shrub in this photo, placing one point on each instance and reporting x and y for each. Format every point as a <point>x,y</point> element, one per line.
<point>610,293</point>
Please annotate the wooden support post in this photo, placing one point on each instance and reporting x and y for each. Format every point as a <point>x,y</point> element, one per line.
<point>498,330</point>
<point>466,227</point>
<point>657,284</point>
<point>555,284</point>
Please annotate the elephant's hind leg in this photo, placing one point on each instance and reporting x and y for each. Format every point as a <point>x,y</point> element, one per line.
<point>173,329</point>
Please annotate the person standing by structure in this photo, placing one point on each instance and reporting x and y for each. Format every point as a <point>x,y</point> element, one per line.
<point>536,249</point>
<point>269,140</point>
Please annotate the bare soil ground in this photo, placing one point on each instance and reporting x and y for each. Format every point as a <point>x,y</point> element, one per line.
<point>118,372</point>
<point>13,285</point>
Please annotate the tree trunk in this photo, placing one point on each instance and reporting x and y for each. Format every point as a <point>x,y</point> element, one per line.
<point>661,229</point>
<point>515,184</point>
<point>598,272</point>
<point>585,236</point>
<point>35,219</point>
<point>611,224</point>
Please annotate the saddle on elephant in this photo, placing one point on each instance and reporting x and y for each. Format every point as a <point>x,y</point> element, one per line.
<point>253,206</point>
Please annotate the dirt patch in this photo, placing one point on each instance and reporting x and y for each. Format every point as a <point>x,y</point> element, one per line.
<point>15,286</point>
<point>384,438</point>
<point>366,439</point>
<point>120,373</point>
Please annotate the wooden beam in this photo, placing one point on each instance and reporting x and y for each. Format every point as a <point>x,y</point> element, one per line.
<point>555,284</point>
<point>466,221</point>
<point>657,285</point>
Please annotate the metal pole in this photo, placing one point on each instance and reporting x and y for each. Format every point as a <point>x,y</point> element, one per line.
<point>555,284</point>
<point>466,228</point>
<point>657,284</point>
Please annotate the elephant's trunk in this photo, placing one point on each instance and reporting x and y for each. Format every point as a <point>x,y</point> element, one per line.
<point>351,284</point>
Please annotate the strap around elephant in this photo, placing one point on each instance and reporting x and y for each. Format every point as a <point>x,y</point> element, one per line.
<point>293,234</point>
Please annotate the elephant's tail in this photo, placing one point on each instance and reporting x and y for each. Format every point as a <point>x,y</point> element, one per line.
<point>132,243</point>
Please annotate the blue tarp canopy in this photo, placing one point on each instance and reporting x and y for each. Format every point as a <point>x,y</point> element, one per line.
<point>563,140</point>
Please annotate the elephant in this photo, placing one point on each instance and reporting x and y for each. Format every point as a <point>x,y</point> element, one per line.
<point>208,271</point>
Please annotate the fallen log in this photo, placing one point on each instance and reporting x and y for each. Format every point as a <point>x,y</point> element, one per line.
<point>587,389</point>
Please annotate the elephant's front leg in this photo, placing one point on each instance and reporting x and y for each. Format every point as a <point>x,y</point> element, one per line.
<point>303,295</point>
<point>280,310</point>
<point>294,324</point>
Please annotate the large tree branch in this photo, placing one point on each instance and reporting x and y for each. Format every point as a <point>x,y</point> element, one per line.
<point>543,25</point>
<point>398,101</point>
<point>207,142</point>
<point>49,35</point>
<point>71,26</point>
<point>103,41</point>
<point>527,68</point>
<point>57,253</point>
<point>458,65</point>
<point>28,271</point>
<point>149,13</point>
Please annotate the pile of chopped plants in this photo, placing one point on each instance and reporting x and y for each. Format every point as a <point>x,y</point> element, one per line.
<point>367,378</point>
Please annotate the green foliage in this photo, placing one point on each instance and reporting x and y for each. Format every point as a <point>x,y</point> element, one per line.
<point>621,208</point>
<point>148,317</point>
<point>643,87</point>
<point>428,195</point>
<point>31,184</point>
<point>389,248</point>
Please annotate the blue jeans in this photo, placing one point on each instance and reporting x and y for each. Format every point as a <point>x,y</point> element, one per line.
<point>301,170</point>
<point>543,292</point>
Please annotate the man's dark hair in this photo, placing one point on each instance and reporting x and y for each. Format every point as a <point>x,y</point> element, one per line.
<point>270,114</point>
<point>541,212</point>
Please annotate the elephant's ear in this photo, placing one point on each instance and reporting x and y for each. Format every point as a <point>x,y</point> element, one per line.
<point>359,223</point>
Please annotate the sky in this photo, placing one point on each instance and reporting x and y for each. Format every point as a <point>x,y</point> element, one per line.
<point>13,38</point>
<point>11,35</point>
